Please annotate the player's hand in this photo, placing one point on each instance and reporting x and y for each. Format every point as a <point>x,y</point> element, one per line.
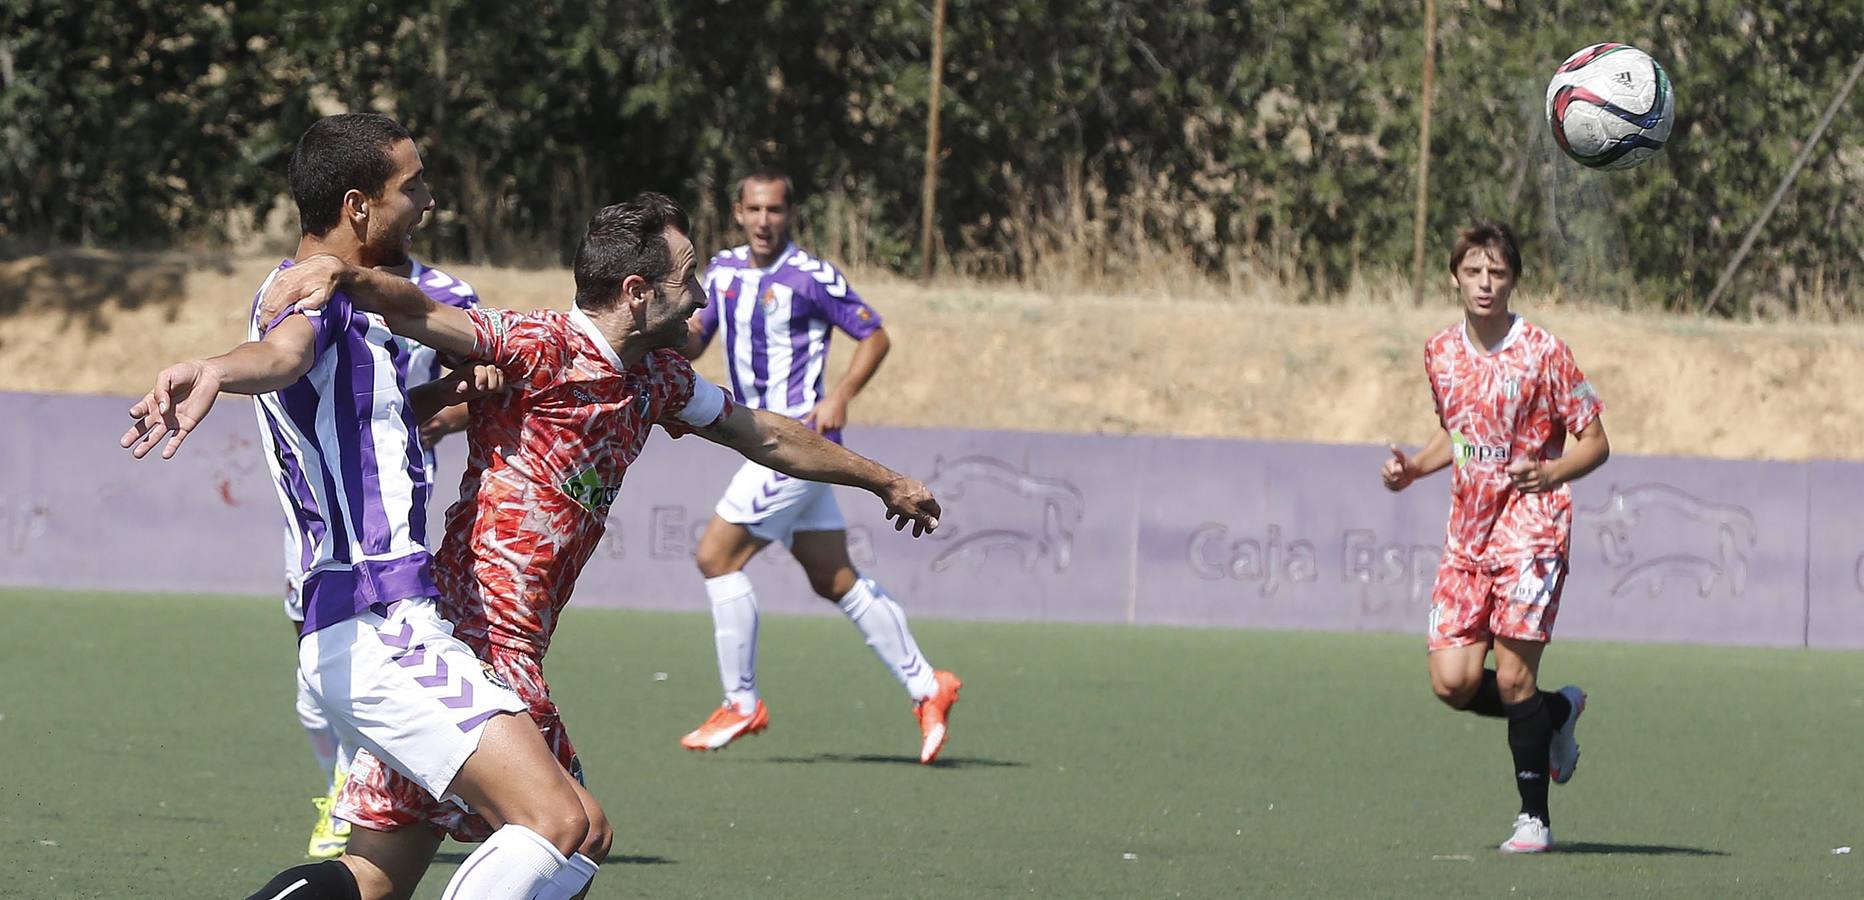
<point>182,396</point>
<point>829,415</point>
<point>910,502</point>
<point>1530,476</point>
<point>307,285</point>
<point>1397,472</point>
<point>478,380</point>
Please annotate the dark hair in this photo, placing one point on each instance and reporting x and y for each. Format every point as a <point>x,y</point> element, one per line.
<point>336,155</point>
<point>626,239</point>
<point>1490,236</point>
<point>770,174</point>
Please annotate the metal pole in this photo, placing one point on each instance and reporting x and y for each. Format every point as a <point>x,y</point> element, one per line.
<point>929,195</point>
<point>1423,155</point>
<point>1779,193</point>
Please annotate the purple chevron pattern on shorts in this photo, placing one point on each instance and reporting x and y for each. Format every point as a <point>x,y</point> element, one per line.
<point>439,678</point>
<point>463,700</point>
<point>761,505</point>
<point>479,719</point>
<point>410,660</point>
<point>400,640</point>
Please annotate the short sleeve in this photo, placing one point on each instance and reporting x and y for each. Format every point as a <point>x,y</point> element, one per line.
<point>1575,403</point>
<point>329,322</point>
<point>837,303</point>
<point>687,401</point>
<point>1430,376</point>
<point>518,344</point>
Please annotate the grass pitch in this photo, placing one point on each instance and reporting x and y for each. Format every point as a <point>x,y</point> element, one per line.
<point>148,748</point>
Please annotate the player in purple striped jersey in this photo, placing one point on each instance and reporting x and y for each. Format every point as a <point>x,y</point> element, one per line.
<point>773,306</point>
<point>420,365</point>
<point>340,430</point>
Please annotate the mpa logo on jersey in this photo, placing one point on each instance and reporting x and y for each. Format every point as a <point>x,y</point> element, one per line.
<point>1463,451</point>
<point>1511,388</point>
<point>586,488</point>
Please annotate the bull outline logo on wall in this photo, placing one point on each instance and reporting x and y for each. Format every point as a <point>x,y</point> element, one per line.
<point>1735,536</point>
<point>1061,504</point>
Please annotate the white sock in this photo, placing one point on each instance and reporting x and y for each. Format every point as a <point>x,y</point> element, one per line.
<point>324,742</point>
<point>883,623</point>
<point>734,630</point>
<point>513,864</point>
<point>576,875</point>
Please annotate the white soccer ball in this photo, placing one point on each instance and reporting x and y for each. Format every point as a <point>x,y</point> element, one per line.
<point>1610,106</point>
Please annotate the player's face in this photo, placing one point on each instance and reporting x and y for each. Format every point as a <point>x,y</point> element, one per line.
<point>395,215</point>
<point>676,299</point>
<point>763,211</point>
<point>1485,281</point>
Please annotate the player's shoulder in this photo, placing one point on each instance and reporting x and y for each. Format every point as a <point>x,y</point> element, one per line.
<point>1444,341</point>
<point>446,287</point>
<point>1539,338</point>
<point>814,274</point>
<point>733,258</point>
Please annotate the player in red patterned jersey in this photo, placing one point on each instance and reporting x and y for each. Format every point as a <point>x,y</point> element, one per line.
<point>546,461</point>
<point>1508,395</point>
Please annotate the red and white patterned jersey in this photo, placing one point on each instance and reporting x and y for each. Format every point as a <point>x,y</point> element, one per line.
<point>1519,402</point>
<point>544,462</point>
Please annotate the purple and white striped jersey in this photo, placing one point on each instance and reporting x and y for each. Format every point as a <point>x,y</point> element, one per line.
<point>423,366</point>
<point>776,324</point>
<point>346,460</point>
<point>424,363</point>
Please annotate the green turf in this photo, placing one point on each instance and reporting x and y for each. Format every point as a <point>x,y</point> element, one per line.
<point>148,749</point>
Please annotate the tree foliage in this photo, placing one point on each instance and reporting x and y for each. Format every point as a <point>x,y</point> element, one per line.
<point>1276,136</point>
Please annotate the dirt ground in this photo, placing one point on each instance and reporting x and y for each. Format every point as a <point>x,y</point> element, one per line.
<point>990,356</point>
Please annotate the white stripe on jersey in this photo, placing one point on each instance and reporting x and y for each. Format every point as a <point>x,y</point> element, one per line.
<point>777,349</point>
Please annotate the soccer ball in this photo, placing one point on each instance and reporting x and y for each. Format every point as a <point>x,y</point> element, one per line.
<point>1610,106</point>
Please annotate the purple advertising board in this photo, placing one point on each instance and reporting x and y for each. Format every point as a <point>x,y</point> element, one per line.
<point>1037,527</point>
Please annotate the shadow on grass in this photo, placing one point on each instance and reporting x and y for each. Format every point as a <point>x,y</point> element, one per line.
<point>1604,849</point>
<point>614,859</point>
<point>945,762</point>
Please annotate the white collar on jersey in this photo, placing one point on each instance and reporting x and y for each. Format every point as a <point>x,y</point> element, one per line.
<point>775,264</point>
<point>1514,331</point>
<point>587,325</point>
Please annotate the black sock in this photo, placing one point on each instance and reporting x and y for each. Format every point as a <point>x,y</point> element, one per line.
<point>1487,700</point>
<point>1530,733</point>
<point>1558,708</point>
<point>327,880</point>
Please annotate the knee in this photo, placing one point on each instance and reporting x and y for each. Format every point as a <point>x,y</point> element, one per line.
<point>1516,683</point>
<point>1453,691</point>
<point>713,561</point>
<point>565,828</point>
<point>600,838</point>
<point>829,587</point>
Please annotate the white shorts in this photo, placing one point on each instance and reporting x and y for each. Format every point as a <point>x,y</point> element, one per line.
<point>406,689</point>
<point>773,506</point>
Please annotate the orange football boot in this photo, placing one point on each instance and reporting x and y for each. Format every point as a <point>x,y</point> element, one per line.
<point>725,725</point>
<point>932,712</point>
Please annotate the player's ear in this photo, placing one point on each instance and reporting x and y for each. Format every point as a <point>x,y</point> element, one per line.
<point>634,291</point>
<point>355,206</point>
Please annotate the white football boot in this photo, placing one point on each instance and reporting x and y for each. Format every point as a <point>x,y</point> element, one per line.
<point>1531,835</point>
<point>1563,754</point>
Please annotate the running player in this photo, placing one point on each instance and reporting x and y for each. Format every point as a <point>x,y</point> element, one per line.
<point>339,434</point>
<point>546,462</point>
<point>1508,394</point>
<point>422,365</point>
<point>775,305</point>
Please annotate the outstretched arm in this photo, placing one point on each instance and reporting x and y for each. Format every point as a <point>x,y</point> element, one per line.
<point>185,392</point>
<point>407,309</point>
<point>436,404</point>
<point>832,413</point>
<point>792,448</point>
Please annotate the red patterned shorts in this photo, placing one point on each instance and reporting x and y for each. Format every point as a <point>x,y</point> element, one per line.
<point>1518,601</point>
<point>380,799</point>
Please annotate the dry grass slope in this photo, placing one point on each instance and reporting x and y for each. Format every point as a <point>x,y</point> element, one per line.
<point>1237,362</point>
